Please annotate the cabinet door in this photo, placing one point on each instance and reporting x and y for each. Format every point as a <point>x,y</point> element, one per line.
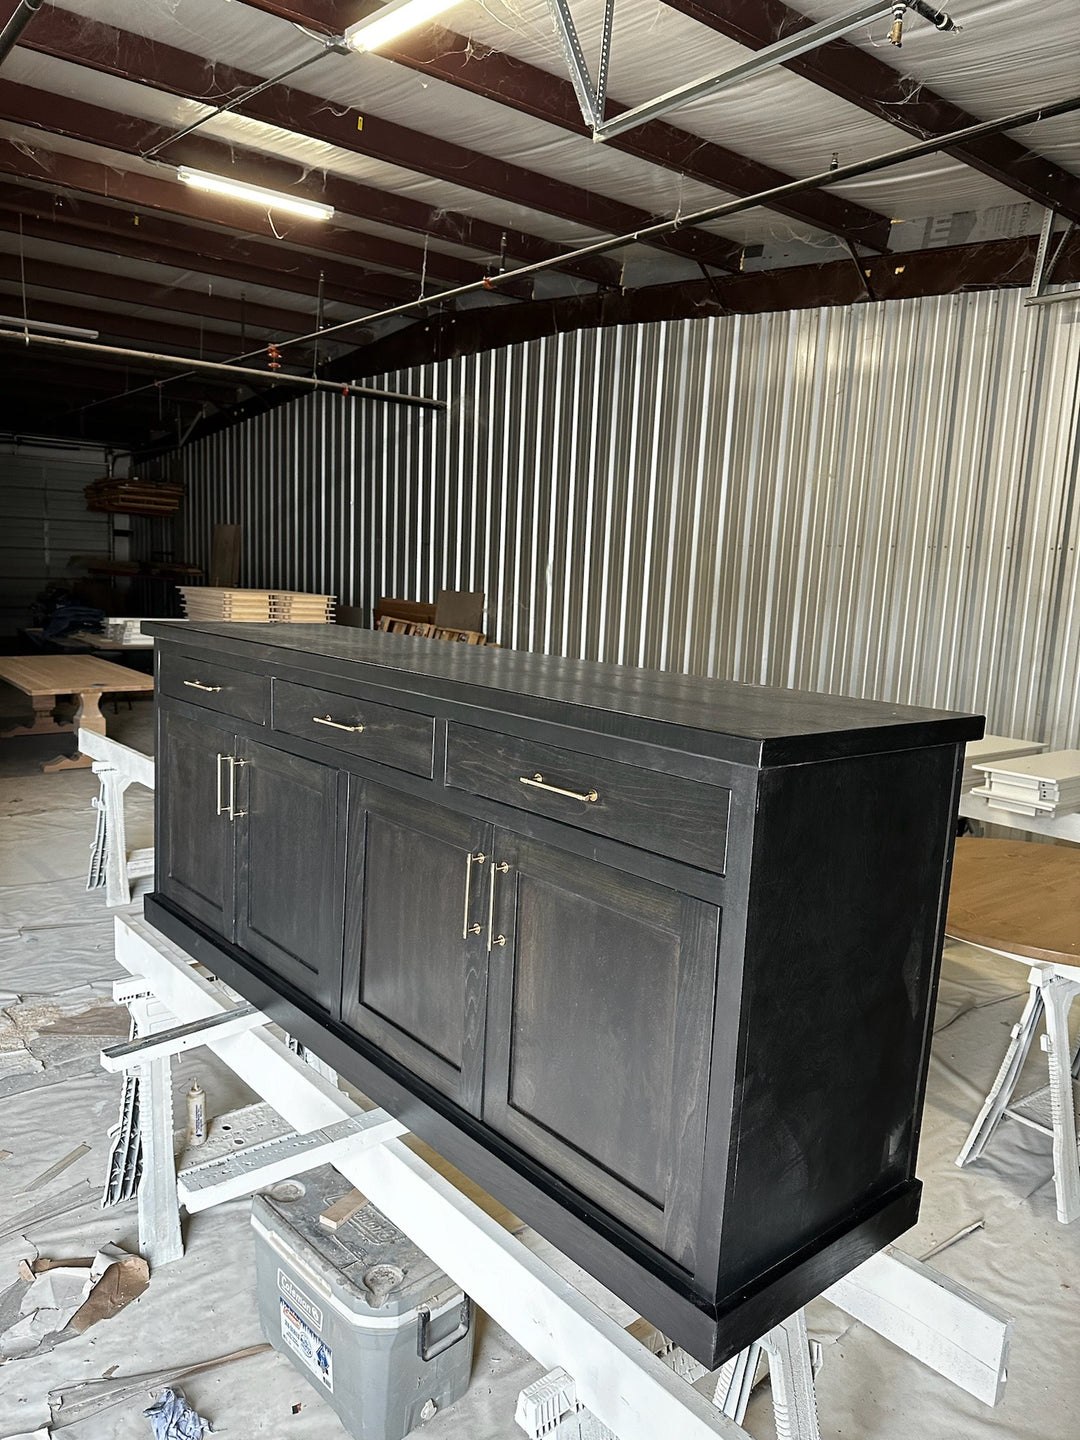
<point>194,841</point>
<point>291,853</point>
<point>600,1021</point>
<point>416,936</point>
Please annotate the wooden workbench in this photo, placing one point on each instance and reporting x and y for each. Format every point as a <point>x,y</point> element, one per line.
<point>46,677</point>
<point>1016,898</point>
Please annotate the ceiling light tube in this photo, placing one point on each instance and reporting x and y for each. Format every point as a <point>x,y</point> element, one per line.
<point>239,190</point>
<point>393,20</point>
<point>46,327</point>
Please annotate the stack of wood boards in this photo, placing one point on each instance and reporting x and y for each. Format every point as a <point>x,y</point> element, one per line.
<point>298,608</point>
<point>133,497</point>
<point>213,603</point>
<point>992,748</point>
<point>1046,785</point>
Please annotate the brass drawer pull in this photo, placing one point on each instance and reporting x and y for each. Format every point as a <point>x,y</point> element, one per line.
<point>198,685</point>
<point>335,724</point>
<point>494,939</point>
<point>539,783</point>
<point>470,861</point>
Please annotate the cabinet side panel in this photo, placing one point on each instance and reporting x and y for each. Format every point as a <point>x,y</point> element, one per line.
<point>843,944</point>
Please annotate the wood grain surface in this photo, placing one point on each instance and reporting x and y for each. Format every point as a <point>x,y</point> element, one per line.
<point>1017,896</point>
<point>69,674</point>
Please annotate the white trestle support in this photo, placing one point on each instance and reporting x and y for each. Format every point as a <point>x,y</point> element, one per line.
<point>616,1378</point>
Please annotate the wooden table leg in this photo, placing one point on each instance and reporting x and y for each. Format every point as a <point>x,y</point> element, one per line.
<point>45,722</point>
<point>88,717</point>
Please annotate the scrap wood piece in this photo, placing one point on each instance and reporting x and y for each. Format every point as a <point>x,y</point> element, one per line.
<point>342,1210</point>
<point>58,1168</point>
<point>84,1399</point>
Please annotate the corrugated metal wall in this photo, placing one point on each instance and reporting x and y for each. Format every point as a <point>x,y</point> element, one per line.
<point>43,522</point>
<point>879,500</point>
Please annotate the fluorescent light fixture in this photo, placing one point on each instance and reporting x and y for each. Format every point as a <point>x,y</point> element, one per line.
<point>45,327</point>
<point>393,20</point>
<point>238,190</point>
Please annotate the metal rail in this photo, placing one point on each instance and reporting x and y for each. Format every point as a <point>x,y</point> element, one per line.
<point>240,373</point>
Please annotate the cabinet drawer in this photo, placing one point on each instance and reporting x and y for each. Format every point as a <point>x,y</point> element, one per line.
<point>400,738</point>
<point>684,819</point>
<point>214,686</point>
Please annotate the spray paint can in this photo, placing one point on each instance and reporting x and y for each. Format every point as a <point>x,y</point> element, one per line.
<point>196,1114</point>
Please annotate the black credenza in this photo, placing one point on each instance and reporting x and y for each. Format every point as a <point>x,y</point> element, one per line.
<point>651,957</point>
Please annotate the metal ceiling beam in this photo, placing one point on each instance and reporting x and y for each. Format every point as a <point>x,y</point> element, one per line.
<point>211,371</point>
<point>114,326</point>
<point>56,114</point>
<point>108,50</point>
<point>72,219</point>
<point>957,269</point>
<point>468,65</point>
<point>876,87</point>
<point>945,271</point>
<point>886,161</point>
<point>266,321</point>
<point>179,72</point>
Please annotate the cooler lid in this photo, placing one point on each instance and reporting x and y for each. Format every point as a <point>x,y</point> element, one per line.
<point>371,1265</point>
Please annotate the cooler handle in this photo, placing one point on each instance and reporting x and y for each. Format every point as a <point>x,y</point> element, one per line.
<point>423,1326</point>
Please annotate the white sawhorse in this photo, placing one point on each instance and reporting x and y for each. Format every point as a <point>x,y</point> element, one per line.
<point>1051,1110</point>
<point>116,766</point>
<point>621,1383</point>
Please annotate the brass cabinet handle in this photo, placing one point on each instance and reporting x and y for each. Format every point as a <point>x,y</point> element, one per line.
<point>470,861</point>
<point>538,782</point>
<point>494,939</point>
<point>335,724</point>
<point>198,685</point>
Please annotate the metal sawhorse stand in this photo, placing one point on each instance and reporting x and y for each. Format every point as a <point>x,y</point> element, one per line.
<point>1051,1110</point>
<point>596,1365</point>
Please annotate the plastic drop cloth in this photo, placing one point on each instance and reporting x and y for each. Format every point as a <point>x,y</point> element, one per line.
<point>1007,56</point>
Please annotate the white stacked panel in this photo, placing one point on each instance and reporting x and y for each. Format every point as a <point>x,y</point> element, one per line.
<point>1047,784</point>
<point>992,748</point>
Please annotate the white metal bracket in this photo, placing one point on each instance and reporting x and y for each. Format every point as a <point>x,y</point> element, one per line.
<point>592,98</point>
<point>1045,262</point>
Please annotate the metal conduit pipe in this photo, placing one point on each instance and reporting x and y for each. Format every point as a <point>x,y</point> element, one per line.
<point>714,212</point>
<point>241,374</point>
<point>9,36</point>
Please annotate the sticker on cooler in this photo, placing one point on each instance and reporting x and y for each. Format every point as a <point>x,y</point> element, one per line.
<point>307,1343</point>
<point>298,1300</point>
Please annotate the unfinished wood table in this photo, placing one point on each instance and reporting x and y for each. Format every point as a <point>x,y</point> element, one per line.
<point>1022,900</point>
<point>46,677</point>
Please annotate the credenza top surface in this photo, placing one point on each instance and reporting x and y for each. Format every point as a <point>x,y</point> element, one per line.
<point>747,724</point>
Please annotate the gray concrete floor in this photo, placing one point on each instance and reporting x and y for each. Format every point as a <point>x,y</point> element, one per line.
<point>56,960</point>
